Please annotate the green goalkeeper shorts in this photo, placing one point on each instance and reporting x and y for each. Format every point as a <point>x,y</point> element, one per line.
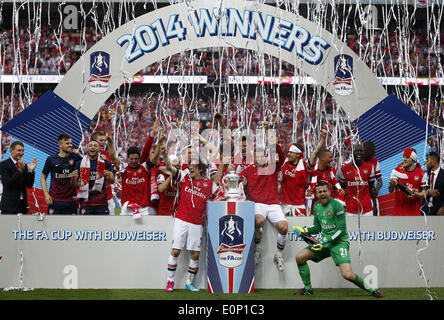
<point>339,252</point>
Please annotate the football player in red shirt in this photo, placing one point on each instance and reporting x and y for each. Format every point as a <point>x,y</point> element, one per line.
<point>369,152</point>
<point>261,178</point>
<point>136,182</point>
<point>324,171</point>
<point>167,189</point>
<point>107,152</point>
<point>357,177</point>
<point>295,172</point>
<point>408,181</point>
<point>195,189</point>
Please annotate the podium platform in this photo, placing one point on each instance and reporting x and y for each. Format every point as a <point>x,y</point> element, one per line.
<point>230,246</point>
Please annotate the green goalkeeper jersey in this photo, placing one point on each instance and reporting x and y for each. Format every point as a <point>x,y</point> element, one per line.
<point>330,221</point>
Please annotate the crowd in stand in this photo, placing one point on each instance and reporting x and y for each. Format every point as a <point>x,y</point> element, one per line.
<point>50,53</point>
<point>128,119</point>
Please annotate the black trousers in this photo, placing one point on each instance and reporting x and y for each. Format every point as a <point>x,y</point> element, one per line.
<point>63,207</point>
<point>22,208</point>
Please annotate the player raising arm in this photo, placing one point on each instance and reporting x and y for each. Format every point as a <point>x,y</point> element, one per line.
<point>261,178</point>
<point>167,187</point>
<point>295,172</point>
<point>136,182</point>
<point>329,220</point>
<point>195,189</point>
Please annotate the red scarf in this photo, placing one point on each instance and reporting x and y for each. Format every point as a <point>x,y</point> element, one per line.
<point>84,175</point>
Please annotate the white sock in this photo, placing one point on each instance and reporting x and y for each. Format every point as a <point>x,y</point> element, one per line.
<point>280,241</point>
<point>193,266</point>
<point>172,266</point>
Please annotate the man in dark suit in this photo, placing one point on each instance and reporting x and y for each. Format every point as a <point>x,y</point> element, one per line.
<point>16,177</point>
<point>433,203</point>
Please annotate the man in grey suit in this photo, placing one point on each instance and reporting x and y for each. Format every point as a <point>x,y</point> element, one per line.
<point>16,176</point>
<point>433,203</point>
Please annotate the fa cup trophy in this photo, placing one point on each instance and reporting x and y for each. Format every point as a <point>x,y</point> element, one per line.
<point>233,191</point>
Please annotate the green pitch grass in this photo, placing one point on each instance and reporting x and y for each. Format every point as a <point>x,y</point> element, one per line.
<point>181,294</point>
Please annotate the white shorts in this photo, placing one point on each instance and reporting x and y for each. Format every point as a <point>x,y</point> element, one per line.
<point>273,212</point>
<point>145,211</point>
<point>294,210</point>
<point>365,214</point>
<point>189,233</point>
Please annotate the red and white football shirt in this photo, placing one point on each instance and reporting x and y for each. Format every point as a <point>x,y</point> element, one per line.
<point>262,185</point>
<point>136,185</point>
<point>377,169</point>
<point>357,190</point>
<point>167,199</point>
<point>328,175</point>
<point>193,197</point>
<point>261,188</point>
<point>415,180</point>
<point>294,182</point>
<point>109,188</point>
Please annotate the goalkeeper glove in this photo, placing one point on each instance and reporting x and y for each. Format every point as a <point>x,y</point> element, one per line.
<point>318,246</point>
<point>299,230</point>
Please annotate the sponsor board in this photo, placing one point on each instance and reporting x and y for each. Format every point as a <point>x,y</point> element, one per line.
<point>118,252</point>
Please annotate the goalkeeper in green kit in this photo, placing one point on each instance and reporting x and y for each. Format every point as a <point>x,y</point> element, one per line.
<point>329,219</point>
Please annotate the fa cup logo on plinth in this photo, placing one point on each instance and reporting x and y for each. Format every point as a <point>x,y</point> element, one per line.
<point>231,241</point>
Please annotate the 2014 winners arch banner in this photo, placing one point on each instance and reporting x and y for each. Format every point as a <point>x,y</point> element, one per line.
<point>202,24</point>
